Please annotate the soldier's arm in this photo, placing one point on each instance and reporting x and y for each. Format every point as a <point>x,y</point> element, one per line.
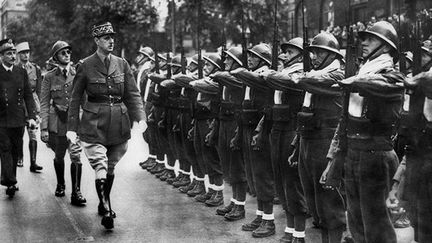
<point>283,81</point>
<point>205,85</point>
<point>45,98</point>
<point>157,78</point>
<point>225,78</point>
<point>80,83</point>
<point>387,86</point>
<point>183,80</point>
<point>250,79</point>
<point>132,98</point>
<point>28,96</point>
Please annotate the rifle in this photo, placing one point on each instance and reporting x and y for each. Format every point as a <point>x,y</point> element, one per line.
<point>169,73</point>
<point>223,54</point>
<point>275,47</point>
<point>182,56</point>
<point>306,57</point>
<point>156,60</point>
<point>200,64</point>
<point>402,58</point>
<point>417,67</point>
<point>244,41</point>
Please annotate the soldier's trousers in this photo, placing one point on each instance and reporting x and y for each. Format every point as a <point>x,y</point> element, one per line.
<point>188,145</point>
<point>262,166</point>
<point>246,147</point>
<point>150,135</point>
<point>180,139</point>
<point>287,179</point>
<point>103,159</point>
<point>368,176</point>
<point>231,160</point>
<point>207,155</point>
<point>171,135</point>
<point>11,141</point>
<point>326,206</point>
<point>162,135</point>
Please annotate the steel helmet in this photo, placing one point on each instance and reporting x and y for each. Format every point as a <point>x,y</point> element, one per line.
<point>426,47</point>
<point>58,46</point>
<point>295,42</point>
<point>384,31</point>
<point>161,56</point>
<point>147,51</point>
<point>326,41</point>
<point>176,61</point>
<point>235,53</point>
<point>263,51</point>
<point>214,59</point>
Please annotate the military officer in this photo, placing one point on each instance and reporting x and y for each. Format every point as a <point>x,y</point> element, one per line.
<point>256,144</point>
<point>16,95</point>
<point>56,91</point>
<point>373,110</point>
<point>113,103</point>
<point>35,79</point>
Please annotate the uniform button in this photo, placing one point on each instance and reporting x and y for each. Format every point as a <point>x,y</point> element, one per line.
<point>109,87</point>
<point>66,92</point>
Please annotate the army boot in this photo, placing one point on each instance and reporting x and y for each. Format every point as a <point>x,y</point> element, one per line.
<point>177,178</point>
<point>287,238</point>
<point>215,200</point>
<point>224,210</point>
<point>185,189</point>
<point>170,174</point>
<point>266,228</point>
<point>253,225</point>
<point>163,172</point>
<point>198,189</point>
<point>107,218</point>
<point>33,149</point>
<point>77,198</point>
<point>237,213</point>
<point>204,196</point>
<point>158,168</point>
<point>182,182</point>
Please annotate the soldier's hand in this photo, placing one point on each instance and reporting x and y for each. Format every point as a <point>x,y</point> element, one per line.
<point>190,134</point>
<point>72,136</point>
<point>32,123</point>
<point>292,160</point>
<point>392,202</point>
<point>44,136</point>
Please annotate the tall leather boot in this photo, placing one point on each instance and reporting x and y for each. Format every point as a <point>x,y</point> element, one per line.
<point>109,182</point>
<point>59,170</point>
<point>107,219</point>
<point>77,198</point>
<point>33,149</point>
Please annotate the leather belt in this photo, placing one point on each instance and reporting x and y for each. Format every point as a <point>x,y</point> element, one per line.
<point>104,99</point>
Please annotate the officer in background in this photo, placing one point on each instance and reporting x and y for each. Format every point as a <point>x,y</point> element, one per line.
<point>113,103</point>
<point>56,91</point>
<point>16,96</point>
<point>35,79</point>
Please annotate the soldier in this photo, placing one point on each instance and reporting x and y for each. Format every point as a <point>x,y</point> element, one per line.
<point>317,123</point>
<point>231,158</point>
<point>412,177</point>
<point>205,131</point>
<point>56,90</point>
<point>16,96</point>
<point>35,79</point>
<point>256,144</point>
<point>288,100</point>
<point>373,110</point>
<point>113,103</point>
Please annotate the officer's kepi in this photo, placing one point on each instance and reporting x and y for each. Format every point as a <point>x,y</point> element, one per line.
<point>6,45</point>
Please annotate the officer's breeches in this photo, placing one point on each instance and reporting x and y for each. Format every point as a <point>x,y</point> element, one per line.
<point>368,176</point>
<point>59,144</point>
<point>32,133</point>
<point>103,159</point>
<point>231,160</point>
<point>207,154</point>
<point>326,206</point>
<point>287,179</point>
<point>11,140</point>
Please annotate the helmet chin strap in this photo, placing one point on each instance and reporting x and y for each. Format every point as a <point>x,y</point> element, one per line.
<point>292,60</point>
<point>373,52</point>
<point>321,65</point>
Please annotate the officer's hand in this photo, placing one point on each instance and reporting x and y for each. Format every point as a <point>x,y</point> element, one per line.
<point>44,136</point>
<point>72,137</point>
<point>32,123</point>
<point>392,202</point>
<point>141,126</point>
<point>61,107</point>
<point>38,119</point>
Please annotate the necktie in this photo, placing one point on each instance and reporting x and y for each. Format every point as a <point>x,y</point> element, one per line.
<point>106,62</point>
<point>64,73</point>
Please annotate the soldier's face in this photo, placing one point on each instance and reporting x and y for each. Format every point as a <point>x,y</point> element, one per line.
<point>208,68</point>
<point>319,56</point>
<point>229,63</point>
<point>369,44</point>
<point>140,59</point>
<point>64,56</point>
<point>24,56</point>
<point>425,58</point>
<point>291,53</point>
<point>105,43</point>
<point>8,57</point>
<point>192,67</point>
<point>253,61</point>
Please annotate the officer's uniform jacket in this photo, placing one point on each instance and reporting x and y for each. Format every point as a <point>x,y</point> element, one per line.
<point>113,101</point>
<point>35,80</point>
<point>56,90</point>
<point>15,97</point>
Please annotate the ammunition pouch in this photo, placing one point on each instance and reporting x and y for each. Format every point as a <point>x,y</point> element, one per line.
<point>361,128</point>
<point>250,117</point>
<point>156,99</point>
<point>228,110</point>
<point>184,104</point>
<point>282,114</point>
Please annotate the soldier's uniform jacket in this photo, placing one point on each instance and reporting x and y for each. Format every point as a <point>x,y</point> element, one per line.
<point>113,101</point>
<point>15,97</point>
<point>207,102</point>
<point>56,90</point>
<point>231,95</point>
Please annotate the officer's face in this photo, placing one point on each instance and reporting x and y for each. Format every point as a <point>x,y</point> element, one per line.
<point>105,43</point>
<point>253,61</point>
<point>369,44</point>
<point>24,56</point>
<point>64,56</point>
<point>8,57</point>
<point>208,68</point>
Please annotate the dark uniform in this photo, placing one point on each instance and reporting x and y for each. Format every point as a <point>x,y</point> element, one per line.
<point>113,103</point>
<point>374,108</point>
<point>15,97</point>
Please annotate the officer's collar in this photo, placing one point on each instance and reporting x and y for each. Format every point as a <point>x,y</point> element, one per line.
<point>7,68</point>
<point>102,56</point>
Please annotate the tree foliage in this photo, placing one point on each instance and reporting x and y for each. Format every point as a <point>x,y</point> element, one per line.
<point>72,20</point>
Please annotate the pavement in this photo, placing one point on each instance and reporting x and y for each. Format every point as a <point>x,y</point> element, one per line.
<point>148,210</point>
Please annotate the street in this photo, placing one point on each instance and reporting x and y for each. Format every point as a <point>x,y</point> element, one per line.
<point>148,210</point>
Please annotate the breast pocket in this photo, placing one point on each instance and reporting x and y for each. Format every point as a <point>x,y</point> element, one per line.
<point>56,91</point>
<point>118,81</point>
<point>97,86</point>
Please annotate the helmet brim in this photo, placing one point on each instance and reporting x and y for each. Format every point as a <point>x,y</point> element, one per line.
<point>362,35</point>
<point>259,55</point>
<point>234,57</point>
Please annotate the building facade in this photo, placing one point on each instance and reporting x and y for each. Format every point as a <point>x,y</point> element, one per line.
<point>11,10</point>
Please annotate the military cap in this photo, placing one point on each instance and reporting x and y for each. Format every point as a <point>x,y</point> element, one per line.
<point>102,29</point>
<point>23,46</point>
<point>6,44</point>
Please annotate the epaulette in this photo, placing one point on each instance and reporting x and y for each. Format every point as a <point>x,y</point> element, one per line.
<point>34,64</point>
